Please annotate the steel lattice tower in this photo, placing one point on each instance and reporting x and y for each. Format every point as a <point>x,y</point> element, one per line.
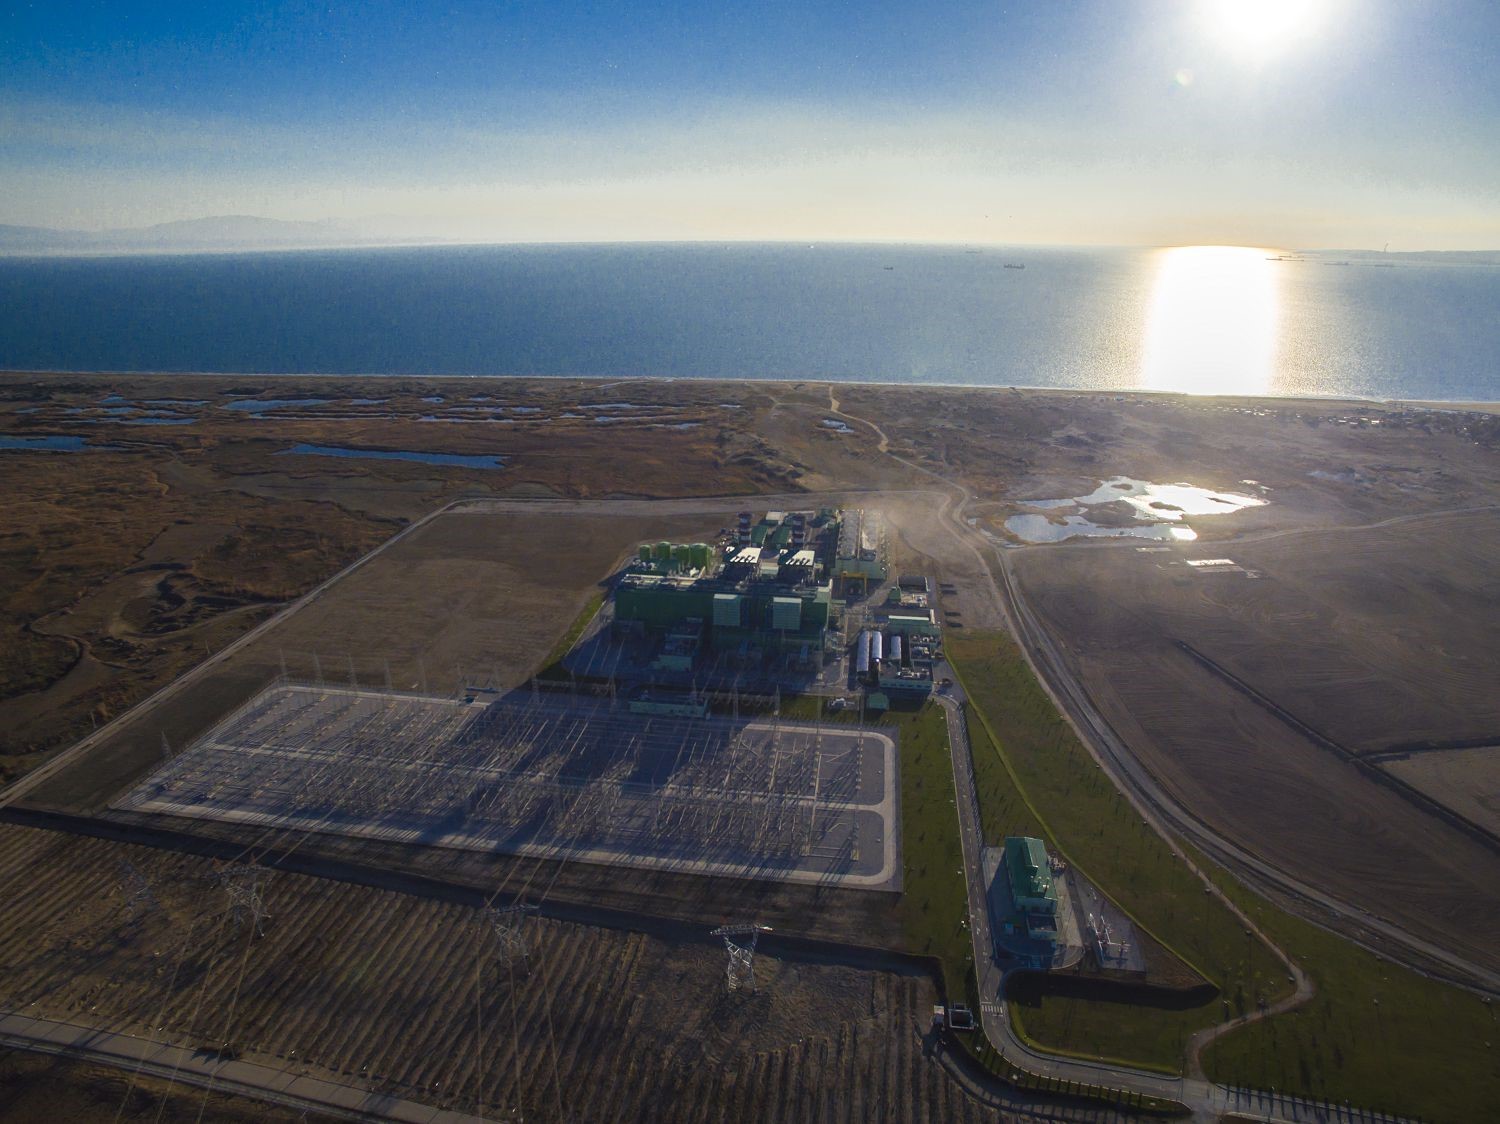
<point>506,923</point>
<point>241,883</point>
<point>139,898</point>
<point>741,970</point>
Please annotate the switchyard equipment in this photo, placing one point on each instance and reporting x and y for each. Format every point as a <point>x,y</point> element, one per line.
<point>558,776</point>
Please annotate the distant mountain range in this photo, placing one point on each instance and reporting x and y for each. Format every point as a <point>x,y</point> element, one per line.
<point>221,232</point>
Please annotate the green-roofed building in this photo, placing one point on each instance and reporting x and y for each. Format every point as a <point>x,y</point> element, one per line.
<point>1030,875</point>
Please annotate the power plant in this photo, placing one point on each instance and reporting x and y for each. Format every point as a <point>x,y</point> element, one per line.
<point>766,586</point>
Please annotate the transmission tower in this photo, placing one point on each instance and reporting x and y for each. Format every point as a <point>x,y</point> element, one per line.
<point>506,923</point>
<point>241,884</point>
<point>136,890</point>
<point>741,970</point>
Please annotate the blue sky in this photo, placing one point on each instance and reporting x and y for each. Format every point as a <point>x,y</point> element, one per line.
<point>1082,121</point>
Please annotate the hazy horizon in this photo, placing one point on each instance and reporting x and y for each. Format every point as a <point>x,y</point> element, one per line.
<point>1320,125</point>
<point>367,235</point>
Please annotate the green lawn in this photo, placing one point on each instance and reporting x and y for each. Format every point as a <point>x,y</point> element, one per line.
<point>934,901</point>
<point>552,666</point>
<point>1425,1049</point>
<point>1047,781</point>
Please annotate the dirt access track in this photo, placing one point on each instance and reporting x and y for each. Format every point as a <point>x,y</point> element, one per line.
<point>407,996</point>
<point>1276,704</point>
<point>481,593</point>
<point>477,594</point>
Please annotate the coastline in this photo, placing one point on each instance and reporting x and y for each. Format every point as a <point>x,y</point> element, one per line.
<point>1462,405</point>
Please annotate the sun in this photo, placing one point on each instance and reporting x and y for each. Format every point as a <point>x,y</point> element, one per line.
<point>1262,28</point>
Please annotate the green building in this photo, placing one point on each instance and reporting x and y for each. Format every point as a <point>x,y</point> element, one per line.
<point>763,613</point>
<point>766,587</point>
<point>1032,887</point>
<point>1030,875</point>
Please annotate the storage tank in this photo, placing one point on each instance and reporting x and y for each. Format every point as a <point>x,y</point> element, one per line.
<point>877,648</point>
<point>663,552</point>
<point>862,654</point>
<point>682,555</point>
<point>699,555</point>
<point>895,647</point>
<point>645,552</point>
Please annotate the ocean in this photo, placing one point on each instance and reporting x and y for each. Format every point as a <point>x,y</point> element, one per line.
<point>1210,320</point>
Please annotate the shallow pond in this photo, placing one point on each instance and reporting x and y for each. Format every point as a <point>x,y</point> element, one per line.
<point>1160,507</point>
<point>1167,501</point>
<point>52,443</point>
<point>261,405</point>
<point>1038,528</point>
<point>459,460</point>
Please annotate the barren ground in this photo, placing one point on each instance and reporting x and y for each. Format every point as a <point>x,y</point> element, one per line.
<point>121,567</point>
<point>1373,638</point>
<point>410,996</point>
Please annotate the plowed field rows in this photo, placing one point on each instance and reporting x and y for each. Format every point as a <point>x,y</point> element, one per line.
<point>410,996</point>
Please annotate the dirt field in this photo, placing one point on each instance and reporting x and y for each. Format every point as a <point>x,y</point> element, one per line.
<point>472,595</point>
<point>123,564</point>
<point>1466,780</point>
<point>1369,639</point>
<point>411,996</point>
<point>122,567</point>
<point>37,1089</point>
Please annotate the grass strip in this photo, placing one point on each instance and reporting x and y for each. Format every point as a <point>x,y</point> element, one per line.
<point>1056,790</point>
<point>552,667</point>
<point>1424,1049</point>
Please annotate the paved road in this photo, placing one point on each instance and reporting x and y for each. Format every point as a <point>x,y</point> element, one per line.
<point>464,505</point>
<point>1155,803</point>
<point>1208,1101</point>
<point>1160,807</point>
<point>178,1063</point>
<point>1205,1098</point>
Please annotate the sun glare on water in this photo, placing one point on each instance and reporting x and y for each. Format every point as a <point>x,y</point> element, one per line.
<point>1211,327</point>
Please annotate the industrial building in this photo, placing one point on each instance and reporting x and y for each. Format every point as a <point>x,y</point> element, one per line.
<point>765,586</point>
<point>1031,885</point>
<point>895,661</point>
<point>860,554</point>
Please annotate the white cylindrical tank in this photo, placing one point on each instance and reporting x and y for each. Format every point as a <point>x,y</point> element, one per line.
<point>877,648</point>
<point>895,647</point>
<point>862,653</point>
